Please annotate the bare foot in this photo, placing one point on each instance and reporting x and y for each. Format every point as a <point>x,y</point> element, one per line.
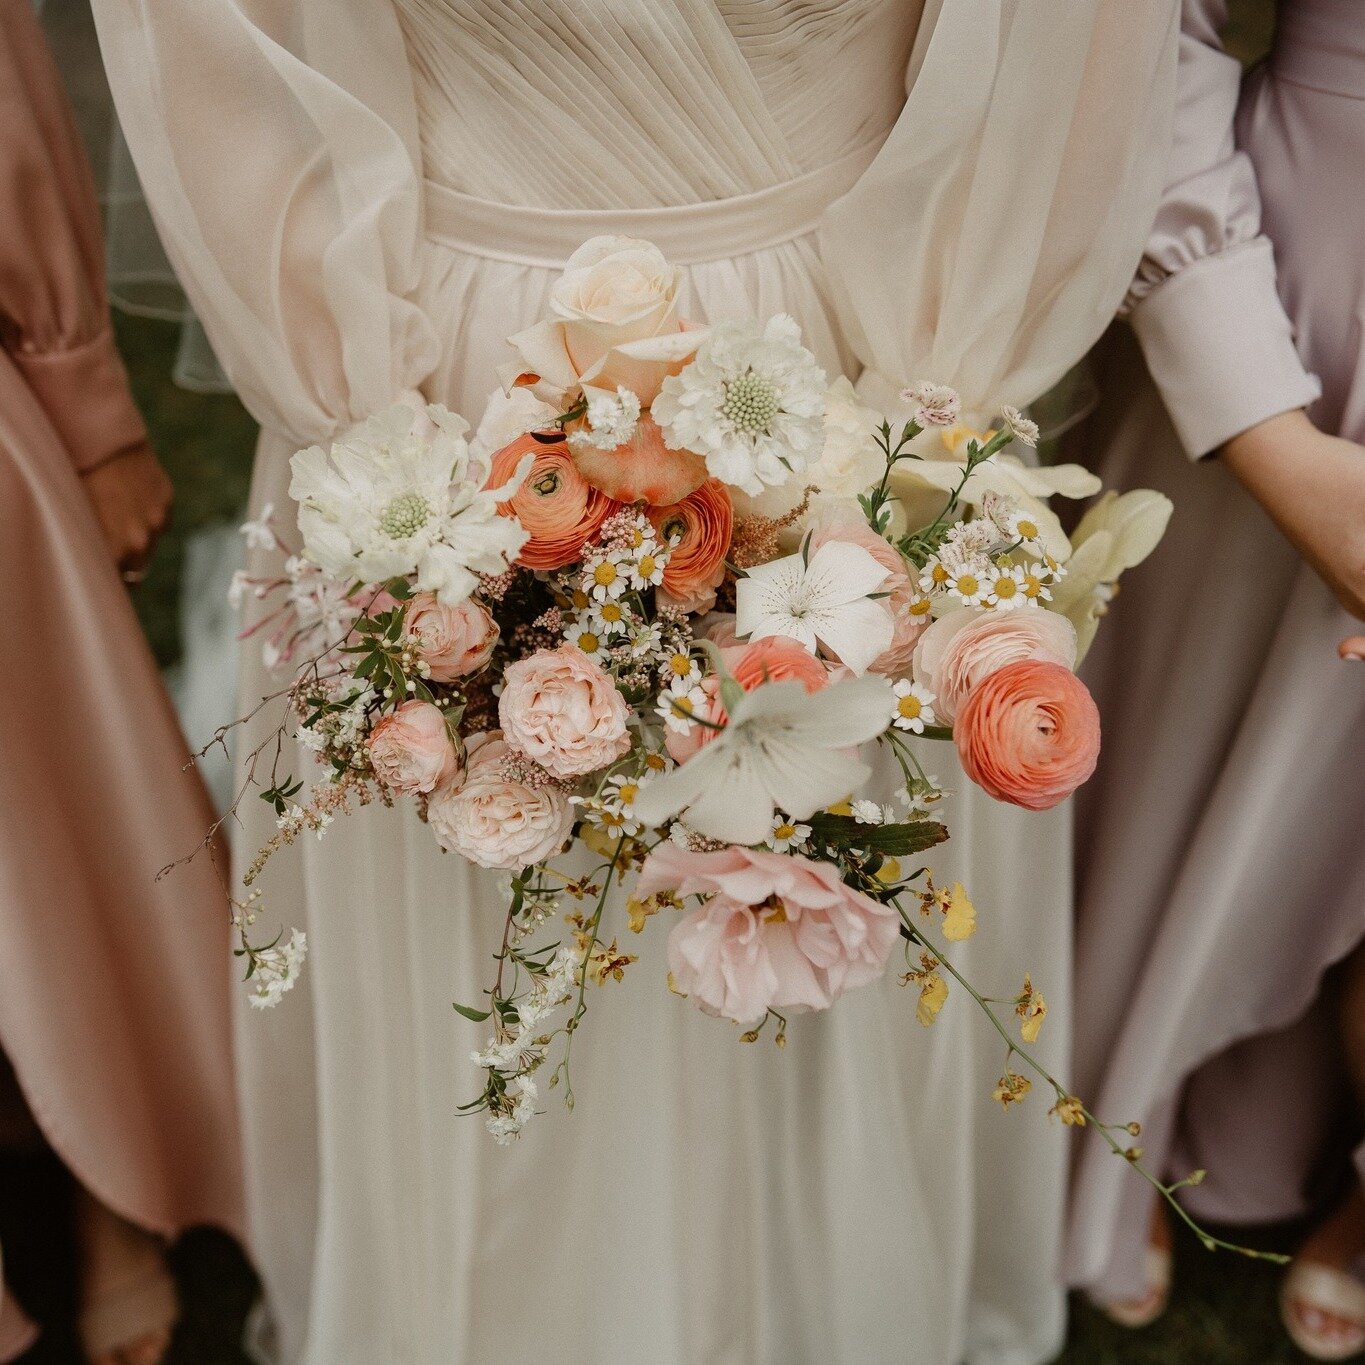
<point>1322,1301</point>
<point>128,1303</point>
<point>1151,1303</point>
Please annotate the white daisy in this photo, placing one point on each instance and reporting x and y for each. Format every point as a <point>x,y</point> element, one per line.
<point>786,834</point>
<point>1006,591</point>
<point>970,583</point>
<point>588,637</point>
<point>608,618</point>
<point>647,564</point>
<point>914,707</point>
<point>751,404</point>
<point>681,672</point>
<point>606,576</point>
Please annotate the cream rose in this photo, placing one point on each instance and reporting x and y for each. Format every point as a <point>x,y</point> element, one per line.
<point>615,323</point>
<point>563,711</point>
<point>497,822</point>
<point>411,749</point>
<point>962,648</point>
<point>453,642</point>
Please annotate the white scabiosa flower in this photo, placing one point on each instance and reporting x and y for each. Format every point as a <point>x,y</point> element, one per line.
<point>387,502</point>
<point>751,404</point>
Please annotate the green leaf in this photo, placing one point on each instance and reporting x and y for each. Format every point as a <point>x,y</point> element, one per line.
<point>891,841</point>
<point>469,1012</point>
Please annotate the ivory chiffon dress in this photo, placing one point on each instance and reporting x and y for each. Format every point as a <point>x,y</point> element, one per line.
<point>364,197</point>
<point>1221,869</point>
<point>113,986</point>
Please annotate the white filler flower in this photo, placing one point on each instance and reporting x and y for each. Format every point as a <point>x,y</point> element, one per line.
<point>387,502</point>
<point>783,747</point>
<point>821,600</point>
<point>751,404</point>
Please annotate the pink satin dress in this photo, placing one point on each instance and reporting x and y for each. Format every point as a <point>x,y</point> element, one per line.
<point>1222,844</point>
<point>113,986</point>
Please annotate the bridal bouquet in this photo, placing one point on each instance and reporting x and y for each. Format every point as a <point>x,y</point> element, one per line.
<point>681,616</point>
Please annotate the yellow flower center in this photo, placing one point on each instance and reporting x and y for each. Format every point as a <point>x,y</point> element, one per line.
<point>939,574</point>
<point>627,792</point>
<point>968,585</point>
<point>604,575</point>
<point>784,831</point>
<point>909,707</point>
<point>588,642</point>
<point>655,762</point>
<point>647,566</point>
<point>777,912</point>
<point>921,607</point>
<point>1033,585</point>
<point>1028,530</point>
<point>612,612</point>
<point>683,704</point>
<point>681,664</point>
<point>580,599</point>
<point>1005,588</point>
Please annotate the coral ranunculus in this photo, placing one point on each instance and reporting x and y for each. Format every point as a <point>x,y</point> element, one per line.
<point>558,509</point>
<point>698,529</point>
<point>644,469</point>
<point>1029,734</point>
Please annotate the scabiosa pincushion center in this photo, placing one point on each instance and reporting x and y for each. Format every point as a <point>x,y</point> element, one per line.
<point>750,403</point>
<point>404,516</point>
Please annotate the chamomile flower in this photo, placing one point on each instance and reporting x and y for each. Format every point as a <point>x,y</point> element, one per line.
<point>969,584</point>
<point>646,566</point>
<point>787,834</point>
<point>1035,588</point>
<point>677,708</point>
<point>681,671</point>
<point>618,798</point>
<point>1006,590</point>
<point>588,637</point>
<point>646,637</point>
<point>914,707</point>
<point>608,618</point>
<point>607,576</point>
<point>934,576</point>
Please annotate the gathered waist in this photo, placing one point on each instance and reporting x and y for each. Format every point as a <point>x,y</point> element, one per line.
<point>688,234</point>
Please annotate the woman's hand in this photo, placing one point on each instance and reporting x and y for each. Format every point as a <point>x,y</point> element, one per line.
<point>132,496</point>
<point>1313,487</point>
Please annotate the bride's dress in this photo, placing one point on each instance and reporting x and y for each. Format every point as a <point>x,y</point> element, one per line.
<point>857,1196</point>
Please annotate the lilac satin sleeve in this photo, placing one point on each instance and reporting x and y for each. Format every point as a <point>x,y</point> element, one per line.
<point>54,317</point>
<point>1204,304</point>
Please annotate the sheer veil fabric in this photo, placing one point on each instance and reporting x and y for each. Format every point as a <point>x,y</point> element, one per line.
<point>363,199</point>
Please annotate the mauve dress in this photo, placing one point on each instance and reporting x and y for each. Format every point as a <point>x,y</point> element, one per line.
<point>1221,868</point>
<point>113,986</point>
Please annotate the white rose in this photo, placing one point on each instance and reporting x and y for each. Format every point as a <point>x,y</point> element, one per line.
<point>615,324</point>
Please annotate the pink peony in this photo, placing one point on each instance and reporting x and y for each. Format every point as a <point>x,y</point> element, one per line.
<point>894,661</point>
<point>1029,734</point>
<point>411,749</point>
<point>494,821</point>
<point>962,648</point>
<point>452,641</point>
<point>563,711</point>
<point>777,932</point>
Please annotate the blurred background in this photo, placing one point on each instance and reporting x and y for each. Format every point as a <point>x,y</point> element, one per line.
<point>1223,1312</point>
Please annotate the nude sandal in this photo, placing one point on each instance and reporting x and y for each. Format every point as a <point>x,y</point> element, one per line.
<point>1311,1287</point>
<point>128,1318</point>
<point>1146,1309</point>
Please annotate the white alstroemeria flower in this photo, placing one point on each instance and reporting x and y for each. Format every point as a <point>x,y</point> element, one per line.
<point>783,747</point>
<point>1117,533</point>
<point>611,417</point>
<point>386,503</point>
<point>821,601</point>
<point>751,404</point>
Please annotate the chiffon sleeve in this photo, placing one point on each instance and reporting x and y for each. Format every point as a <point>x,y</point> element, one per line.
<point>1204,305</point>
<point>997,231</point>
<point>54,316</point>
<point>276,143</point>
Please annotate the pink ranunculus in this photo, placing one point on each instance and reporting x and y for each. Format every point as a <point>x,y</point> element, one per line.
<point>411,749</point>
<point>497,822</point>
<point>965,646</point>
<point>1029,734</point>
<point>697,530</point>
<point>453,642</point>
<point>771,659</point>
<point>894,661</point>
<point>778,932</point>
<point>563,711</point>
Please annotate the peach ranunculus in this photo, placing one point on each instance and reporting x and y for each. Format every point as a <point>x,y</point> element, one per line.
<point>453,642</point>
<point>411,749</point>
<point>555,506</point>
<point>908,610</point>
<point>495,821</point>
<point>771,659</point>
<point>698,530</point>
<point>643,469</point>
<point>1029,734</point>
<point>776,932</point>
<point>563,711</point>
<point>960,649</point>
<point>614,323</point>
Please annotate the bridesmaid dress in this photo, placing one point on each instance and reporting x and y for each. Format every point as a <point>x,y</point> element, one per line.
<point>1221,871</point>
<point>113,986</point>
<point>364,197</point>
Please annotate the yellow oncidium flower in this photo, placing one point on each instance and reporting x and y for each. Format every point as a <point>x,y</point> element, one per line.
<point>933,993</point>
<point>959,915</point>
<point>1070,1111</point>
<point>1011,1088</point>
<point>1032,1010</point>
